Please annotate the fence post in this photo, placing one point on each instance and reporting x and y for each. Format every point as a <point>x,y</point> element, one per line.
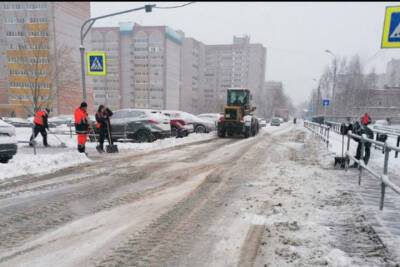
<point>327,139</point>
<point>385,172</point>
<point>70,129</point>
<point>397,144</point>
<point>361,159</point>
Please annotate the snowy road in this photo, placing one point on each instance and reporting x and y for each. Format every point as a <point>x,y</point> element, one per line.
<point>262,201</point>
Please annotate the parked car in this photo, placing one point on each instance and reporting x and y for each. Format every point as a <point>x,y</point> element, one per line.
<point>275,122</point>
<point>262,122</point>
<point>62,120</point>
<point>141,125</point>
<point>18,122</point>
<point>8,142</point>
<point>214,117</point>
<point>199,125</point>
<point>179,128</point>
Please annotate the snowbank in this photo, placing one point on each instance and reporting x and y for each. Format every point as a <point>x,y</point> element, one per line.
<point>55,158</point>
<point>24,163</point>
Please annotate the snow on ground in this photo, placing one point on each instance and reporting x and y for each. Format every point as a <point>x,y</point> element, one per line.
<point>55,157</point>
<point>385,222</point>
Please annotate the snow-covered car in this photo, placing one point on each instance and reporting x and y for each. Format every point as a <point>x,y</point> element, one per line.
<point>18,122</point>
<point>275,122</point>
<point>214,117</point>
<point>8,142</point>
<point>199,125</point>
<point>141,125</point>
<point>262,122</point>
<point>62,120</point>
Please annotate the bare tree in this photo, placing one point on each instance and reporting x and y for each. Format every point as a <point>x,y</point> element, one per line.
<point>44,71</point>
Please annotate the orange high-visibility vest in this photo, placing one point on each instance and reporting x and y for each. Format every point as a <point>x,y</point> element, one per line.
<point>81,121</point>
<point>38,120</point>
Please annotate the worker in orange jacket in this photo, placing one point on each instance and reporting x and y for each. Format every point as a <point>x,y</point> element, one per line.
<point>81,126</point>
<point>40,126</point>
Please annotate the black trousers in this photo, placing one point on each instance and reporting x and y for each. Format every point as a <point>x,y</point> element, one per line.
<point>42,130</point>
<point>367,152</point>
<point>103,135</point>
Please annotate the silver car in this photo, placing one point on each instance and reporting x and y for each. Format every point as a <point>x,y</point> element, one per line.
<point>275,122</point>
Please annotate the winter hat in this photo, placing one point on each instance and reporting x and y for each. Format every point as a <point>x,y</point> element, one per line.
<point>83,104</point>
<point>366,119</point>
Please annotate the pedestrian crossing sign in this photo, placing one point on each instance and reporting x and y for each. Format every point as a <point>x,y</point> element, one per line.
<point>391,28</point>
<point>96,63</point>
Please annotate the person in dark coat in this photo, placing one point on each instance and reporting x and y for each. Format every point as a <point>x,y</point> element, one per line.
<point>359,129</point>
<point>103,124</point>
<point>41,124</point>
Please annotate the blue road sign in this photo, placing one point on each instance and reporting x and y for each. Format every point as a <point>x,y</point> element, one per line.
<point>325,102</point>
<point>96,63</point>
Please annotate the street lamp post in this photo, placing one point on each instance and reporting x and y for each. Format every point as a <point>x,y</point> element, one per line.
<point>318,96</point>
<point>334,81</point>
<point>84,32</point>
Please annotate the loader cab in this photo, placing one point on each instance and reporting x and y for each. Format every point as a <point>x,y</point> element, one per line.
<point>238,97</point>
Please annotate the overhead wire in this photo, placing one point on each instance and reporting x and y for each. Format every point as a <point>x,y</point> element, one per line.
<point>170,7</point>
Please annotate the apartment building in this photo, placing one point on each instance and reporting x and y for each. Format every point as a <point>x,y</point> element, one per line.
<point>106,89</point>
<point>40,56</point>
<point>150,66</point>
<point>157,67</point>
<point>193,65</point>
<point>241,64</point>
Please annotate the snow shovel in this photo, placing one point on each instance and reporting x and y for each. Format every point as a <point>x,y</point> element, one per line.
<point>341,161</point>
<point>110,148</point>
<point>62,144</point>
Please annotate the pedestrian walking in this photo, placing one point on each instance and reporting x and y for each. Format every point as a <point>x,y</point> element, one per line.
<point>40,125</point>
<point>81,126</point>
<point>360,128</point>
<point>103,124</point>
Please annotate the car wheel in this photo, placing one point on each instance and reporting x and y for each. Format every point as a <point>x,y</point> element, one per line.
<point>143,136</point>
<point>4,160</point>
<point>174,131</point>
<point>200,129</point>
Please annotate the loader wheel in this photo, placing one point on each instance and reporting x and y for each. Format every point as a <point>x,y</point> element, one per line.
<point>221,133</point>
<point>247,132</point>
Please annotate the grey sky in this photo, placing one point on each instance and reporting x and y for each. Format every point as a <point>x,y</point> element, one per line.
<point>295,34</point>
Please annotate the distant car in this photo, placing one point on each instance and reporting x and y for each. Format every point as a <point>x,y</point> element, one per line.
<point>8,142</point>
<point>18,122</point>
<point>199,125</point>
<point>214,117</point>
<point>262,122</point>
<point>281,119</point>
<point>62,120</point>
<point>275,122</point>
<point>141,125</point>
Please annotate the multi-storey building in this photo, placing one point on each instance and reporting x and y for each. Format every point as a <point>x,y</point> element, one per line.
<point>193,64</point>
<point>150,66</point>
<point>240,64</point>
<point>156,67</point>
<point>39,51</point>
<point>106,89</point>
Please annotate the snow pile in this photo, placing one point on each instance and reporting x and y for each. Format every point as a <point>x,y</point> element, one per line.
<point>55,158</point>
<point>24,164</point>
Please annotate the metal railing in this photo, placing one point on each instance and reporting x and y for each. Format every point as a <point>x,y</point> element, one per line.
<point>378,132</point>
<point>382,177</point>
<point>320,130</point>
